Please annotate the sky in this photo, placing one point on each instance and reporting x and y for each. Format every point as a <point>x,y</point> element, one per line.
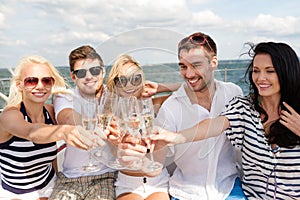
<point>149,30</point>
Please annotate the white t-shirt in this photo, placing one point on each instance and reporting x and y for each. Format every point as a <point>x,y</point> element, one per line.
<point>75,158</point>
<point>205,169</point>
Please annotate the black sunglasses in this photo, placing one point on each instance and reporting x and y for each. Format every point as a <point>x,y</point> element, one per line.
<point>31,82</point>
<point>81,73</point>
<point>196,39</point>
<point>135,80</point>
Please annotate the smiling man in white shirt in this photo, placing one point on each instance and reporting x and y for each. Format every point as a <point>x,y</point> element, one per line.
<point>87,71</point>
<point>205,169</point>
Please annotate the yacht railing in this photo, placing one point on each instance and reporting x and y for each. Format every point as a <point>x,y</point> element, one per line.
<point>4,90</point>
<point>225,72</point>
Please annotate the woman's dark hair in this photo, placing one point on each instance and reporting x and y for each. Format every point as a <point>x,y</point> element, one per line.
<point>287,67</point>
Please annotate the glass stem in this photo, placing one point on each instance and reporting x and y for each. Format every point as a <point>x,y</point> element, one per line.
<point>151,157</point>
<point>90,158</point>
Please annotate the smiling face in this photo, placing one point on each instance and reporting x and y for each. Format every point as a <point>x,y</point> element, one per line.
<point>196,69</point>
<point>88,84</point>
<point>132,73</point>
<point>41,92</point>
<point>264,76</point>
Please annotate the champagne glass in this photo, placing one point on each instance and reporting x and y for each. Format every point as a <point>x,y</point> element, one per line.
<point>106,110</point>
<point>115,164</point>
<point>147,112</point>
<point>132,120</point>
<point>89,122</point>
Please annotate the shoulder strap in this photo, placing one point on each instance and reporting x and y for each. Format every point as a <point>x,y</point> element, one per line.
<point>48,119</point>
<point>23,111</point>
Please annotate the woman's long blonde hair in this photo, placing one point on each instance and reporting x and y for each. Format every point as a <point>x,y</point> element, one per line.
<point>15,95</point>
<point>115,70</point>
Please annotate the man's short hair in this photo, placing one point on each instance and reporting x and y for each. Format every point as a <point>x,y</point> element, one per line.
<point>83,52</point>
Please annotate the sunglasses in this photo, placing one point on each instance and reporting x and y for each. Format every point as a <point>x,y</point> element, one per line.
<point>31,82</point>
<point>196,39</point>
<point>135,80</point>
<point>81,73</point>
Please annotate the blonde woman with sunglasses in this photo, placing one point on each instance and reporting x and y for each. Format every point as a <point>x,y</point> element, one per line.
<point>28,133</point>
<point>127,78</point>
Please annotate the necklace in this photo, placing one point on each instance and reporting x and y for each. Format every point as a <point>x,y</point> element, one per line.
<point>275,149</point>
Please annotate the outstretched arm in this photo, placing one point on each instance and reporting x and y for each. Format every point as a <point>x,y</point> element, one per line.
<point>205,129</point>
<point>37,132</point>
<point>152,88</point>
<point>290,119</point>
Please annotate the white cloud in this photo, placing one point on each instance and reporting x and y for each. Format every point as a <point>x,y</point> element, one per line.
<point>198,2</point>
<point>5,12</point>
<point>68,37</point>
<point>2,17</point>
<point>53,28</point>
<point>141,40</point>
<point>206,18</point>
<point>271,25</point>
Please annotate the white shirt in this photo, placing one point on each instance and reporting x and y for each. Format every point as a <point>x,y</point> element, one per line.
<point>205,169</point>
<point>75,158</point>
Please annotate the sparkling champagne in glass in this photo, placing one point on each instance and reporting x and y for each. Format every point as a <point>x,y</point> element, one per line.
<point>132,122</point>
<point>147,112</point>
<point>106,110</point>
<point>115,164</point>
<point>89,122</point>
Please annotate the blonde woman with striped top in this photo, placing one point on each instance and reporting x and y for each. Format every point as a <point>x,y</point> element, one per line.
<point>28,132</point>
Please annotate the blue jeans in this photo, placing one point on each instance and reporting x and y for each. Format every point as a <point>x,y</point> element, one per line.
<point>237,191</point>
<point>235,194</point>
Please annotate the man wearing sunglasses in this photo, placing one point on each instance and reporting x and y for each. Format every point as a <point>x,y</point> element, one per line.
<point>204,169</point>
<point>87,72</point>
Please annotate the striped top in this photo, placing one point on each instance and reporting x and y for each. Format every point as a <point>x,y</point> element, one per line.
<point>268,174</point>
<point>25,165</point>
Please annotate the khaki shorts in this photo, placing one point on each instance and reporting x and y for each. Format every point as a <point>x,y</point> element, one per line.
<point>87,187</point>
